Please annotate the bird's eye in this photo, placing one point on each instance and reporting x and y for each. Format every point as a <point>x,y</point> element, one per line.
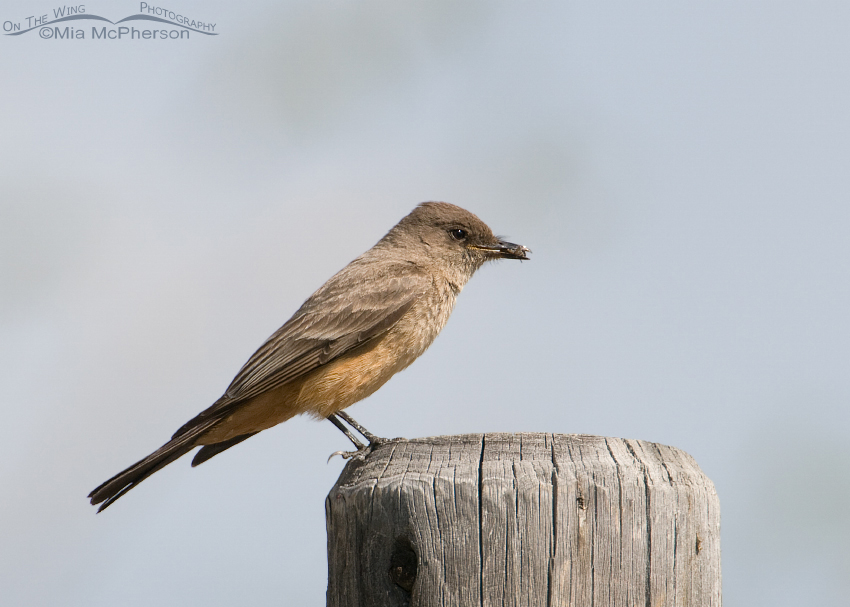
<point>458,234</point>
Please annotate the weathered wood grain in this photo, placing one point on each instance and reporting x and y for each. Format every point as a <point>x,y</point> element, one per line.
<point>526,520</point>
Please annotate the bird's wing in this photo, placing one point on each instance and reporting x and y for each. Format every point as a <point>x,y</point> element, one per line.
<point>348,311</point>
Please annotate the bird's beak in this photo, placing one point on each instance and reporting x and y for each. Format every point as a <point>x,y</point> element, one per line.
<point>505,250</point>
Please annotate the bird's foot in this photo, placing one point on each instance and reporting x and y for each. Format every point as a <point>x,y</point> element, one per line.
<point>362,450</point>
<point>359,454</point>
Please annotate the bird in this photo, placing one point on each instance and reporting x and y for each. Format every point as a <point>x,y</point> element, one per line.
<point>371,320</point>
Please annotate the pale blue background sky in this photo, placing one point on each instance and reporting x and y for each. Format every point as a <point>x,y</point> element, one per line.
<point>680,172</point>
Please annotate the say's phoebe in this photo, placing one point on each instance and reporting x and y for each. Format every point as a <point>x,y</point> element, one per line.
<point>367,323</point>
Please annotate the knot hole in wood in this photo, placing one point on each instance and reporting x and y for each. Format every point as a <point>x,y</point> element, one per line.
<point>403,564</point>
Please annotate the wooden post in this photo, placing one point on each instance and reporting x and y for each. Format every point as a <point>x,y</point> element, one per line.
<point>523,519</point>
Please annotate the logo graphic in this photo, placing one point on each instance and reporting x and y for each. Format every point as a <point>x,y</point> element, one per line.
<point>174,25</point>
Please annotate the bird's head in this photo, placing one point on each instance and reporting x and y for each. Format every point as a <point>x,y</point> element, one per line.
<point>446,238</point>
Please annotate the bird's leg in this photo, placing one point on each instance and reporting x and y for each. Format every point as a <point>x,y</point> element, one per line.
<point>362,450</point>
<point>353,423</point>
<point>335,421</point>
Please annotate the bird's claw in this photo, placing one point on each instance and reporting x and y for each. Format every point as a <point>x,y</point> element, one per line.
<point>358,454</point>
<point>364,450</point>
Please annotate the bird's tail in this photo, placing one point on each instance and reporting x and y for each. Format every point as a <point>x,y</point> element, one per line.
<point>122,482</point>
